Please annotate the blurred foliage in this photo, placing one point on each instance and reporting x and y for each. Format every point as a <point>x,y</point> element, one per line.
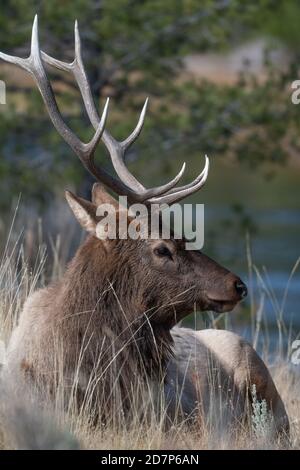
<point>133,49</point>
<point>284,25</point>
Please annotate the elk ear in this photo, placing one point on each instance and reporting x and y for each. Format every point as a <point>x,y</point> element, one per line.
<point>101,196</point>
<point>84,211</point>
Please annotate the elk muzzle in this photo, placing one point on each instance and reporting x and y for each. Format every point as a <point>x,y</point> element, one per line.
<point>226,293</point>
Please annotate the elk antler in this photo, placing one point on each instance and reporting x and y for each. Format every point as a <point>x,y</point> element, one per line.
<point>127,184</point>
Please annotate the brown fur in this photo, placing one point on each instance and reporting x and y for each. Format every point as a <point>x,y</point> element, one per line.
<point>113,313</point>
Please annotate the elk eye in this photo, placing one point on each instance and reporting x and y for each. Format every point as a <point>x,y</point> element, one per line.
<point>163,251</point>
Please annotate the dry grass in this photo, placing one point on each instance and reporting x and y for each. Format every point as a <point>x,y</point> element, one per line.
<point>24,424</point>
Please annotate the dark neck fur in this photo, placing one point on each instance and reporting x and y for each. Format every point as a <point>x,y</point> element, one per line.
<point>103,296</point>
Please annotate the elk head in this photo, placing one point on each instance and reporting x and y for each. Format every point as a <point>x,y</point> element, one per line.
<point>166,280</point>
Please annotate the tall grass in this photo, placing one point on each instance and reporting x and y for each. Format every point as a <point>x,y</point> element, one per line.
<point>24,423</point>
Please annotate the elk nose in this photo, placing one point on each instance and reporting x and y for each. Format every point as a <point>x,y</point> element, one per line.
<point>241,289</point>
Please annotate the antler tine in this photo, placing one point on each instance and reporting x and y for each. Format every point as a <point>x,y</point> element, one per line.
<point>84,151</point>
<point>117,152</point>
<point>136,132</point>
<point>185,191</point>
<point>77,68</point>
<point>116,149</point>
<point>193,183</point>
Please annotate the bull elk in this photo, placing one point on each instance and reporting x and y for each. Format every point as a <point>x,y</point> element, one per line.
<point>113,315</point>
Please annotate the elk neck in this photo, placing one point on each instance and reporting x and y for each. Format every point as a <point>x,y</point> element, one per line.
<point>101,291</point>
